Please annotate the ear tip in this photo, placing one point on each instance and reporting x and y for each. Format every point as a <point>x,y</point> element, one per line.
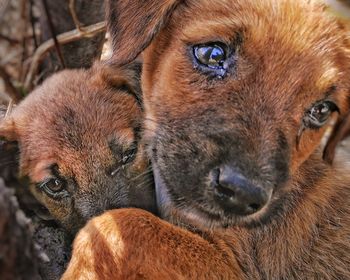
<point>120,58</point>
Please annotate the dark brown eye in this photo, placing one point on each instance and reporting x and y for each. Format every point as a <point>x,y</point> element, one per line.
<point>129,155</point>
<point>211,55</point>
<point>319,113</point>
<point>54,187</point>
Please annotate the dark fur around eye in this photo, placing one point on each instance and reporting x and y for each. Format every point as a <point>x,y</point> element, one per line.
<point>123,156</point>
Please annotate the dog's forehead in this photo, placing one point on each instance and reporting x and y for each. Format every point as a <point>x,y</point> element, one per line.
<point>298,24</point>
<point>78,146</point>
<point>83,125</point>
<point>68,103</point>
<point>282,33</point>
<point>290,49</point>
<point>70,123</point>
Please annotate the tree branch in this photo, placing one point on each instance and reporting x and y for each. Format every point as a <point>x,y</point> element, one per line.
<point>74,15</point>
<point>12,41</point>
<point>53,33</point>
<point>63,38</point>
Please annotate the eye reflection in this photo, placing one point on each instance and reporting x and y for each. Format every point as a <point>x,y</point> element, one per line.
<point>318,114</point>
<point>211,55</point>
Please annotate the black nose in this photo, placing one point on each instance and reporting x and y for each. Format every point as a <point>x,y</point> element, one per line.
<point>235,193</point>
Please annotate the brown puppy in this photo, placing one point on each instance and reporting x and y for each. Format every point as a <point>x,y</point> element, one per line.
<point>79,143</point>
<point>238,95</point>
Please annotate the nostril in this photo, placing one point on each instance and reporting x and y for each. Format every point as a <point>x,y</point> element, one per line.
<point>235,193</point>
<point>221,191</point>
<point>254,207</point>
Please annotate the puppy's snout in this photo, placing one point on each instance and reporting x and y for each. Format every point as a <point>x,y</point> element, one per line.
<point>235,193</point>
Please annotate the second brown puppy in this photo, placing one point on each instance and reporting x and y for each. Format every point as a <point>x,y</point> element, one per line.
<point>79,138</point>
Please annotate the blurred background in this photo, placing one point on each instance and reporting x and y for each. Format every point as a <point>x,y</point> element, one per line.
<point>39,37</point>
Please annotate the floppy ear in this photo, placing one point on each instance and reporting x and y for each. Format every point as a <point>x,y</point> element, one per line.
<point>126,77</point>
<point>133,24</point>
<point>340,131</point>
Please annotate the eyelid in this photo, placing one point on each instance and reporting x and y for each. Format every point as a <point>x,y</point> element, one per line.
<point>45,181</point>
<point>318,102</point>
<point>331,102</point>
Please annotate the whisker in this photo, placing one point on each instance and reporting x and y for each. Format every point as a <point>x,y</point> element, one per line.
<point>146,172</point>
<point>115,171</point>
<point>142,184</point>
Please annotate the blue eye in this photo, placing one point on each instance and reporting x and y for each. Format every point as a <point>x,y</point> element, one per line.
<point>211,55</point>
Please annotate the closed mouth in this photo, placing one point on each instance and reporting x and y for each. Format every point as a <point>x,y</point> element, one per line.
<point>196,214</point>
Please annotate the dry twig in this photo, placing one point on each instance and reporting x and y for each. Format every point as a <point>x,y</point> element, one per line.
<point>9,108</point>
<point>78,25</point>
<point>12,41</point>
<point>23,35</point>
<point>32,22</point>
<point>63,38</point>
<point>74,15</point>
<point>53,33</point>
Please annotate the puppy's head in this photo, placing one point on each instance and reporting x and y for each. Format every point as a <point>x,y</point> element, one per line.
<point>79,143</point>
<point>238,95</point>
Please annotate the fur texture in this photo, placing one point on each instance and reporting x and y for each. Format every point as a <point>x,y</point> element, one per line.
<point>283,58</point>
<point>80,131</point>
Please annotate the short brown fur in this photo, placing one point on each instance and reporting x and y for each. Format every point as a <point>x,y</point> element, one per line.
<point>76,128</point>
<point>290,55</point>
